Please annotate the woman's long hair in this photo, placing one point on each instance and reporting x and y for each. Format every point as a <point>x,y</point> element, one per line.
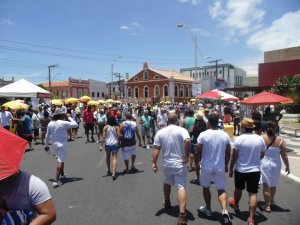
<point>271,128</point>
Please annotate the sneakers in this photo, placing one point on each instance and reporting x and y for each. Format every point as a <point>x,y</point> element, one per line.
<point>56,184</point>
<point>233,204</point>
<point>182,219</point>
<point>206,211</point>
<point>226,217</point>
<point>148,146</point>
<point>63,175</point>
<point>167,204</point>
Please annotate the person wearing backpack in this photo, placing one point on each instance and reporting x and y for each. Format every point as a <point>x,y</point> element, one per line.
<point>128,131</point>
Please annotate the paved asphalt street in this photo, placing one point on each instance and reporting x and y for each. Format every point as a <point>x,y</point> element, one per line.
<point>88,196</point>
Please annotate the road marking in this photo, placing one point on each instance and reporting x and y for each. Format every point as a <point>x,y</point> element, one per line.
<point>291,176</point>
<point>102,160</point>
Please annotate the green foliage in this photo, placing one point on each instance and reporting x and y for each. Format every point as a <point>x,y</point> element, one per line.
<point>289,86</point>
<point>42,86</point>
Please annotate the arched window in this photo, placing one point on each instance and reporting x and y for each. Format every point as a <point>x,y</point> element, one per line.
<point>136,92</point>
<point>136,79</point>
<point>156,77</point>
<point>156,91</point>
<point>146,92</point>
<point>187,91</point>
<point>129,92</point>
<point>166,90</point>
<point>181,92</point>
<point>145,75</point>
<point>176,90</point>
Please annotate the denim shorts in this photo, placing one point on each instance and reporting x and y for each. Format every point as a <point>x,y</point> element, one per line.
<point>112,148</point>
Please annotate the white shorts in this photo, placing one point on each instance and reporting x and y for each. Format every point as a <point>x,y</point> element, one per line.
<point>207,175</point>
<point>128,152</point>
<point>61,153</point>
<point>176,176</point>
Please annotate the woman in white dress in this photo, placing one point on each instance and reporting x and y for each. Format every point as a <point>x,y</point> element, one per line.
<point>271,164</point>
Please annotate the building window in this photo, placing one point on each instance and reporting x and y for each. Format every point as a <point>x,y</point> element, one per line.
<point>67,94</point>
<point>145,75</point>
<point>156,91</point>
<point>102,95</point>
<point>146,92</point>
<point>93,94</point>
<point>193,75</point>
<point>176,90</point>
<point>166,90</point>
<point>136,92</point>
<point>181,92</point>
<point>186,91</point>
<point>98,94</point>
<point>156,77</point>
<point>129,92</point>
<point>207,73</point>
<point>136,79</point>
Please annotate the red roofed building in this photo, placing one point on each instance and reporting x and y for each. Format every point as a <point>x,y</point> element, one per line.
<point>155,85</point>
<point>70,88</point>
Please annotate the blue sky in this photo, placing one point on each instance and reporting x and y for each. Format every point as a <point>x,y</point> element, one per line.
<point>85,37</point>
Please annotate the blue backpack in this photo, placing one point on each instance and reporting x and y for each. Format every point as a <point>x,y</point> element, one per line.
<point>128,136</point>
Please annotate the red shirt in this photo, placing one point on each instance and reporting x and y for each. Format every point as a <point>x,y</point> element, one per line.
<point>88,116</point>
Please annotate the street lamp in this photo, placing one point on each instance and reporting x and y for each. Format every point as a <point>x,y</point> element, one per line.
<point>112,74</point>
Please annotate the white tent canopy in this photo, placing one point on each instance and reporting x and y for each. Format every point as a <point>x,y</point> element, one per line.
<point>23,88</point>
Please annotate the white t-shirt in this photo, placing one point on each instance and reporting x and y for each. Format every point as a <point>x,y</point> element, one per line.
<point>35,121</point>
<point>171,140</point>
<point>162,119</point>
<point>26,192</point>
<point>214,147</point>
<point>5,118</point>
<point>249,147</point>
<point>58,132</point>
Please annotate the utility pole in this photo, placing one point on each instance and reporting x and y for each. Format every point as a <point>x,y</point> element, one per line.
<point>216,61</point>
<point>49,75</point>
<point>118,75</point>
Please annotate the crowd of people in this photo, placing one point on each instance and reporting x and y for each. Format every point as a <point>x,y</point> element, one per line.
<point>190,137</point>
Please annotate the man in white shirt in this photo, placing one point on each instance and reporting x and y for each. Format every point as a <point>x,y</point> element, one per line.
<point>162,119</point>
<point>57,130</point>
<point>174,143</point>
<point>248,150</point>
<point>213,150</point>
<point>5,117</point>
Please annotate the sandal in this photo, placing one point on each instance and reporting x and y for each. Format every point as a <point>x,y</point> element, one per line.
<point>250,222</point>
<point>195,181</point>
<point>232,203</point>
<point>267,209</point>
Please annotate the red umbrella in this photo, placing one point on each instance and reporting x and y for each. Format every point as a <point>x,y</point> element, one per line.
<point>266,98</point>
<point>217,95</point>
<point>209,95</point>
<point>12,149</point>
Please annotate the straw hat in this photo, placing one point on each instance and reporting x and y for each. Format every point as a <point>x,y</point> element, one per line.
<point>199,115</point>
<point>247,123</point>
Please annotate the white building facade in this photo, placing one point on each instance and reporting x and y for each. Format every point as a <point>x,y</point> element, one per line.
<point>97,89</point>
<point>220,76</point>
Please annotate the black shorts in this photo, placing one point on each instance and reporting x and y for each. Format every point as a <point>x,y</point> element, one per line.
<point>36,132</point>
<point>27,137</point>
<point>89,126</point>
<point>251,179</point>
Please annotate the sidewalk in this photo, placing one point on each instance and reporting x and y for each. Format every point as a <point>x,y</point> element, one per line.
<point>293,151</point>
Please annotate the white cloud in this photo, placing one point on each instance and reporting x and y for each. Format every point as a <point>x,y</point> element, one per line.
<point>134,28</point>
<point>194,2</point>
<point>124,27</point>
<point>6,22</point>
<point>241,17</point>
<point>283,33</point>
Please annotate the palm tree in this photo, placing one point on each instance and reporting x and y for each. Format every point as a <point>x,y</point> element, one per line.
<point>289,86</point>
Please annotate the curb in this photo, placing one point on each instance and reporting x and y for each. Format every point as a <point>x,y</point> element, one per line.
<point>291,176</point>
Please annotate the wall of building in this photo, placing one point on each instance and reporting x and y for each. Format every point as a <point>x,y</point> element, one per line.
<point>97,90</point>
<point>269,73</point>
<point>282,55</point>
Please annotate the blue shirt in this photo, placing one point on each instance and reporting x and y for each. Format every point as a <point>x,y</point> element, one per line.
<point>27,124</point>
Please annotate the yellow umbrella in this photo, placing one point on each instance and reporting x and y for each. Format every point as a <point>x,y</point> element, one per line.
<point>15,105</point>
<point>101,102</point>
<point>85,98</point>
<point>168,102</point>
<point>56,102</point>
<point>118,102</point>
<point>162,102</point>
<point>110,101</point>
<point>71,100</point>
<point>93,103</point>
<point>193,100</point>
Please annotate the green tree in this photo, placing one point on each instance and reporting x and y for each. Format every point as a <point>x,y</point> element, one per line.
<point>289,86</point>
